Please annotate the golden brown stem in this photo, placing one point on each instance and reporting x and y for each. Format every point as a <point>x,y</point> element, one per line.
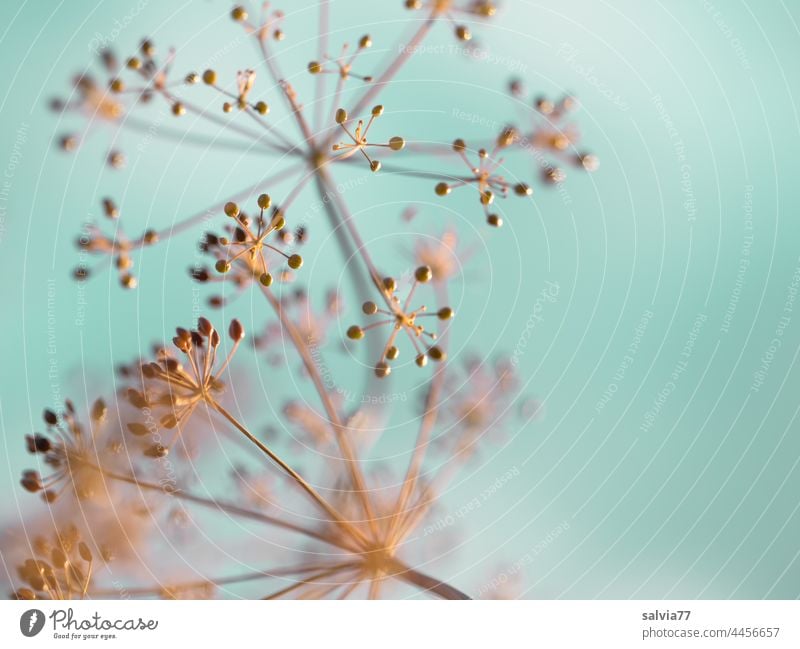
<point>336,517</point>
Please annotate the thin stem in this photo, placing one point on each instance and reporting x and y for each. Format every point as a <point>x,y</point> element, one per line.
<point>334,420</point>
<point>228,508</point>
<point>315,496</point>
<point>427,583</point>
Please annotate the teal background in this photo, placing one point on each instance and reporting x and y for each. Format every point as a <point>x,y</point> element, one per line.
<point>704,502</point>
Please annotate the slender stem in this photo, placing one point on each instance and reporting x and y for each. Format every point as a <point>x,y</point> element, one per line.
<point>427,583</point>
<point>315,496</point>
<point>334,420</point>
<point>432,401</point>
<point>228,508</point>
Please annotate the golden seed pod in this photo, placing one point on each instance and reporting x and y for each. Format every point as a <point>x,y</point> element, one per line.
<point>278,35</point>
<point>128,281</point>
<point>365,42</point>
<point>209,77</point>
<point>442,189</point>
<point>192,78</point>
<point>236,330</point>
<point>506,137</point>
<point>589,161</point>
<point>341,116</point>
<point>264,201</point>
<point>231,209</point>
<point>396,143</point>
<point>423,274</point>
<point>124,262</point>
<point>382,370</point>
<point>437,354</point>
<point>295,261</point>
<point>315,67</point>
<point>222,266</point>
<point>134,63</point>
<point>487,197</point>
<point>494,220</point>
<point>204,326</point>
<point>390,284</point>
<point>377,111</point>
<point>413,4</point>
<point>150,237</point>
<point>84,551</point>
<point>463,33</point>
<point>178,109</point>
<point>156,451</point>
<point>421,360</point>
<point>374,166</point>
<point>355,333</point>
<point>521,189</point>
<point>278,222</point>
<point>265,279</point>
<point>544,105</point>
<point>110,208</point>
<point>117,85</point>
<point>147,47</point>
<point>239,13</point>
<point>99,410</point>
<point>227,107</point>
<point>445,313</point>
<point>369,308</point>
<point>262,108</point>
<point>459,145</point>
<point>392,353</point>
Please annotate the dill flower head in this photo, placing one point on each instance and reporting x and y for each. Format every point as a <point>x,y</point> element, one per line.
<point>60,568</point>
<point>73,454</point>
<point>168,392</point>
<point>400,318</point>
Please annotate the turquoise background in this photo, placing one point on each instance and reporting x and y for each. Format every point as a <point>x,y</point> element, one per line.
<point>701,503</point>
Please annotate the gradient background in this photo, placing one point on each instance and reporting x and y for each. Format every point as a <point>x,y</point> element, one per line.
<point>703,502</point>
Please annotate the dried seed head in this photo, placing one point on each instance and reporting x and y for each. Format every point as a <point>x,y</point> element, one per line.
<point>192,78</point>
<point>355,333</point>
<point>377,111</point>
<point>365,42</point>
<point>392,353</point>
<point>370,308</point>
<point>374,166</point>
<point>396,143</point>
<point>209,77</point>
<point>390,284</point>
<point>262,108</point>
<point>99,410</point>
<point>341,116</point>
<point>421,360</point>
<point>222,266</point>
<point>382,370</point>
<point>50,418</point>
<point>265,279</point>
<point>295,261</point>
<point>239,13</point>
<point>423,274</point>
<point>156,451</point>
<point>204,326</point>
<point>521,189</point>
<point>445,313</point>
<point>442,189</point>
<point>236,330</point>
<point>463,33</point>
<point>231,209</point>
<point>178,109</point>
<point>436,353</point>
<point>495,220</point>
<point>315,67</point>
